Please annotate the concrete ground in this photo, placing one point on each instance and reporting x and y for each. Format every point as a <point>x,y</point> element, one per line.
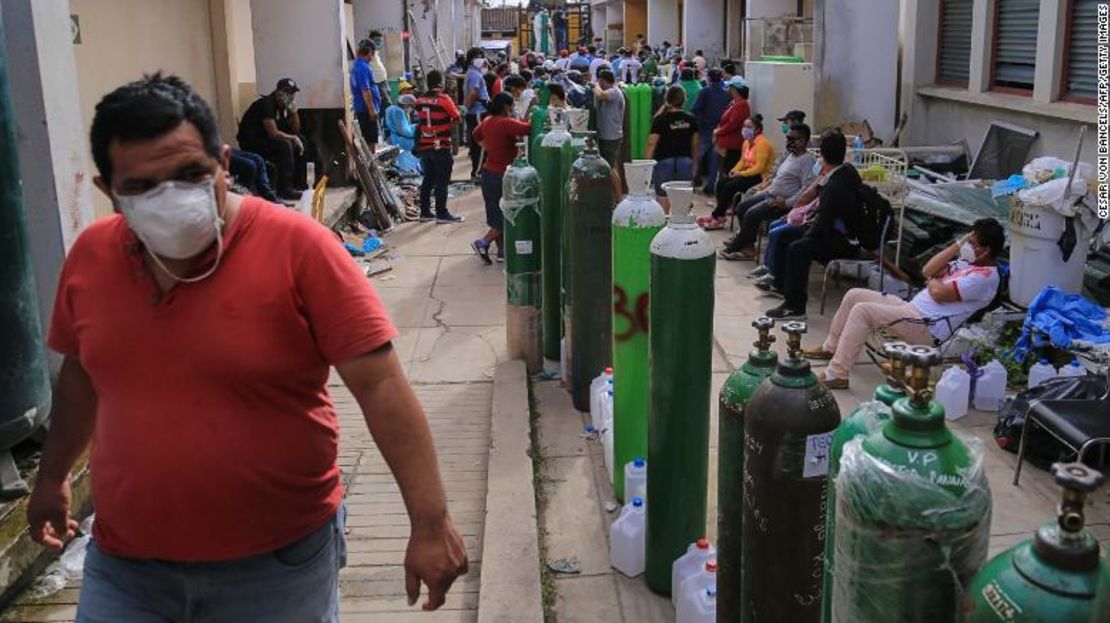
<point>575,488</point>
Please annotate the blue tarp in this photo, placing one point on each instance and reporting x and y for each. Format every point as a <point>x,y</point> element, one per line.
<point>1059,318</point>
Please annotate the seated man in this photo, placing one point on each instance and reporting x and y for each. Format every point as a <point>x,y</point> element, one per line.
<point>776,197</point>
<point>961,280</point>
<point>832,234</point>
<point>261,131</point>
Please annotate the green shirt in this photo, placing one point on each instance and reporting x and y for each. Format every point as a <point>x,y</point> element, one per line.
<point>691,87</point>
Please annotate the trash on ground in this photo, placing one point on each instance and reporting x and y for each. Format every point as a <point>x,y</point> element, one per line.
<point>565,566</point>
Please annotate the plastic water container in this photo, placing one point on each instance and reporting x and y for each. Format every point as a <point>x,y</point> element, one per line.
<point>690,564</point>
<point>1073,369</point>
<point>635,478</point>
<point>703,609</point>
<point>990,388</point>
<point>601,384</point>
<point>627,538</point>
<point>1041,372</point>
<point>607,443</point>
<point>310,174</point>
<point>857,149</point>
<point>1035,260</point>
<point>692,587</point>
<point>953,392</point>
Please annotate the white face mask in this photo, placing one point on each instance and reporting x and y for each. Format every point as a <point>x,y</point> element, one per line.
<point>747,133</point>
<point>175,220</point>
<point>967,252</point>
<point>817,168</point>
<point>478,63</point>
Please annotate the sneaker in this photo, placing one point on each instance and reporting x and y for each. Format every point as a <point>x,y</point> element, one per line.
<point>481,248</point>
<point>817,354</point>
<point>767,279</point>
<point>831,383</point>
<point>732,256</point>
<point>427,218</point>
<point>449,218</point>
<point>782,312</point>
<point>758,271</point>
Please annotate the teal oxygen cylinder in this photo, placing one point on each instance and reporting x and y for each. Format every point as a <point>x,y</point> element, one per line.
<point>864,420</point>
<point>549,162</point>
<point>1051,578</point>
<point>572,150</point>
<point>636,221</point>
<point>589,322</point>
<point>680,303</point>
<point>520,204</point>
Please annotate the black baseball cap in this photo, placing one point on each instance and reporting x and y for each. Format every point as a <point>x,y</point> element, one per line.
<point>288,84</point>
<point>365,46</point>
<point>794,115</point>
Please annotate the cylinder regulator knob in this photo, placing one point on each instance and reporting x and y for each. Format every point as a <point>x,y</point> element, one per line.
<point>920,360</point>
<point>896,370</point>
<point>764,325</point>
<point>794,330</point>
<point>1077,480</point>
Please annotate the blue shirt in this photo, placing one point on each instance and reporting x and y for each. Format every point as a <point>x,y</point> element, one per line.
<point>362,79</point>
<point>709,106</point>
<point>475,80</point>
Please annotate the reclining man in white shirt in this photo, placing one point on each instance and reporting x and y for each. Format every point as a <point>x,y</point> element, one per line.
<point>960,280</point>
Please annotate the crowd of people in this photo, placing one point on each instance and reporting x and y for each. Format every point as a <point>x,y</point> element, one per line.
<point>809,201</point>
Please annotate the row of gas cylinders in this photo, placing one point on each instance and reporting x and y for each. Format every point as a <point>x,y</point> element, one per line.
<point>882,517</point>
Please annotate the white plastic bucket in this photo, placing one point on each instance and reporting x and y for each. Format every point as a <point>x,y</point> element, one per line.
<point>1035,260</point>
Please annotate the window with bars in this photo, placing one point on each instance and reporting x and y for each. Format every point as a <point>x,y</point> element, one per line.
<point>1015,44</point>
<point>1082,51</point>
<point>954,42</point>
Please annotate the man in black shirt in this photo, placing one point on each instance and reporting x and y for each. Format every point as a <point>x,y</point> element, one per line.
<point>271,127</point>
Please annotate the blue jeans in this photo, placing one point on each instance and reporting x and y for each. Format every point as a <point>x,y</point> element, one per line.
<point>298,583</point>
<point>671,170</point>
<point>710,160</point>
<point>775,232</point>
<point>491,194</point>
<point>249,169</point>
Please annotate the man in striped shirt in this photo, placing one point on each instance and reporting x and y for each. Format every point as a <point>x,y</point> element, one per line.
<point>435,114</point>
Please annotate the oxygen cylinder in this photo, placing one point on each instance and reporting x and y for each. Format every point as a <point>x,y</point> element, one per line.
<point>631,122</point>
<point>788,425</point>
<point>540,125</point>
<point>636,221</point>
<point>572,149</point>
<point>736,391</point>
<point>864,420</point>
<point>912,513</point>
<point>520,204</point>
<point>645,110</point>
<point>589,322</point>
<point>1052,577</point>
<point>1101,609</point>
<point>549,162</point>
<point>680,306</point>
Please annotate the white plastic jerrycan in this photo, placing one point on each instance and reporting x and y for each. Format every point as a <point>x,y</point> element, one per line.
<point>607,434</point>
<point>702,609</point>
<point>692,587</point>
<point>990,388</point>
<point>952,392</point>
<point>601,384</point>
<point>690,564</point>
<point>635,478</point>
<point>627,539</point>
<point>1040,372</point>
<point>1073,369</point>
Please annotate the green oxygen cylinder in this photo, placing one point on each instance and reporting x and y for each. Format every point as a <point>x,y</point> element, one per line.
<point>864,420</point>
<point>1101,609</point>
<point>572,149</point>
<point>543,93</point>
<point>912,513</point>
<point>631,122</point>
<point>520,204</point>
<point>1051,578</point>
<point>549,162</point>
<point>680,309</point>
<point>24,374</point>
<point>636,221</point>
<point>646,112</point>
<point>788,425</point>
<point>735,393</point>
<point>540,125</point>
<point>589,322</point>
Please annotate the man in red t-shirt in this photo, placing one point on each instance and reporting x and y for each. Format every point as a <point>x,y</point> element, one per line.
<point>196,363</point>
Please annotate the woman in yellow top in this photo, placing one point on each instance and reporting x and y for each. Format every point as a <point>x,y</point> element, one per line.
<point>756,159</point>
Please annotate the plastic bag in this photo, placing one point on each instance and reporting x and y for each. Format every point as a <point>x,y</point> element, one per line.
<point>1045,168</point>
<point>1041,448</point>
<point>1051,195</point>
<point>905,547</point>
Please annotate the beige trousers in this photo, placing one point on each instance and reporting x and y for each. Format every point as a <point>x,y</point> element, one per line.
<point>861,312</point>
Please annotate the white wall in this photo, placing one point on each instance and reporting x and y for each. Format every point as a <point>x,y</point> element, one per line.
<point>662,22</point>
<point>859,64</point>
<point>302,40</point>
<point>703,28</point>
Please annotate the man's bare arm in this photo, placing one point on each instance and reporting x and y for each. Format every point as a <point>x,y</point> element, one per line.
<point>72,421</point>
<point>436,554</point>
